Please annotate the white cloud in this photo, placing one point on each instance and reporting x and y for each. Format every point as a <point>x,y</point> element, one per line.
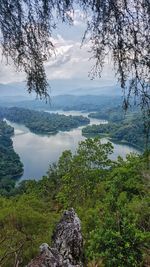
<point>70,61</point>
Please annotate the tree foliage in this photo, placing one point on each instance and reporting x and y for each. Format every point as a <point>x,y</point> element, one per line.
<point>10,164</point>
<point>120,27</point>
<point>111,199</point>
<point>43,122</point>
<point>120,127</point>
<point>26,26</point>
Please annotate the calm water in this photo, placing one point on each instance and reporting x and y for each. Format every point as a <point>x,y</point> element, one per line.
<point>37,152</point>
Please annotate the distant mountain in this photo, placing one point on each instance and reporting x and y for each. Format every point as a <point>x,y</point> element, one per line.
<point>65,94</point>
<point>12,100</point>
<point>61,87</point>
<point>83,87</point>
<point>105,90</point>
<point>64,102</point>
<point>13,89</point>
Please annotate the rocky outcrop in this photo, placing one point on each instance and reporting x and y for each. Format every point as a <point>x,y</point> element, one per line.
<point>66,250</point>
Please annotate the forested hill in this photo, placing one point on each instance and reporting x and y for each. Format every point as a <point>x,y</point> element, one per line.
<point>42,122</point>
<point>10,164</point>
<point>110,197</point>
<point>87,103</point>
<point>122,127</point>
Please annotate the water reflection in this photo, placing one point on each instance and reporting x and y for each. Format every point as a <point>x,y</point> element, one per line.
<point>37,151</point>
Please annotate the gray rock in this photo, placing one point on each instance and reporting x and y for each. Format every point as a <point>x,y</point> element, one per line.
<point>67,245</point>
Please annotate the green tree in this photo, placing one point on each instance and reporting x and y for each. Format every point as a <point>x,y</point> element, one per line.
<point>82,171</point>
<point>121,235</point>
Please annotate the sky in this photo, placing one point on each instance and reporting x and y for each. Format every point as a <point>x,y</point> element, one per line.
<point>71,60</point>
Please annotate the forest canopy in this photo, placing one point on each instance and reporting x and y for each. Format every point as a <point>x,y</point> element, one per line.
<point>119,27</point>
<point>111,198</point>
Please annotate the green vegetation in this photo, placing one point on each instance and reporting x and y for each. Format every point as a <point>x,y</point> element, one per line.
<point>10,165</point>
<point>42,122</point>
<point>113,114</point>
<point>127,128</point>
<point>111,199</point>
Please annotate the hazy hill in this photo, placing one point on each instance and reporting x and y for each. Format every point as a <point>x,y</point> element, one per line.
<point>12,89</point>
<point>64,102</point>
<point>61,87</point>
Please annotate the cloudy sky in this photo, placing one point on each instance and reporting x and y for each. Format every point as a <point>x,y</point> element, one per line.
<point>70,62</point>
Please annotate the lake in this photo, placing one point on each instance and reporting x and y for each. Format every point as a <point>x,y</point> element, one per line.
<point>37,152</point>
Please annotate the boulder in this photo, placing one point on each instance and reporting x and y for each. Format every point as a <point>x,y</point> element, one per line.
<point>67,244</point>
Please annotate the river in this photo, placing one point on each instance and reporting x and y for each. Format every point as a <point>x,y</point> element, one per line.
<point>37,152</point>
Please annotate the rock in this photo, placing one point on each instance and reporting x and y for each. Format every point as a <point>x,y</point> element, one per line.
<point>48,257</point>
<point>67,244</point>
